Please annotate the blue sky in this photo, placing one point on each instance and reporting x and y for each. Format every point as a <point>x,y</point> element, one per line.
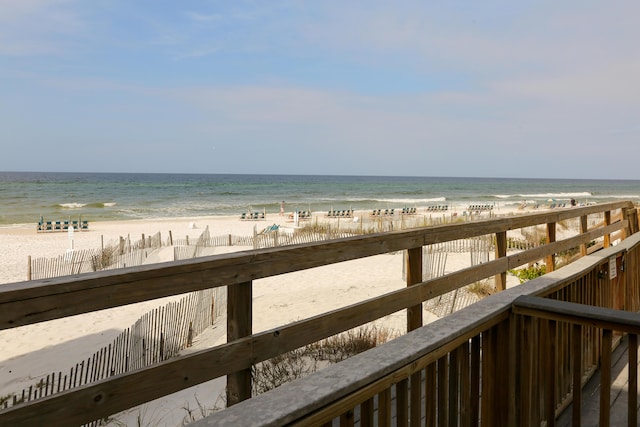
<point>515,89</point>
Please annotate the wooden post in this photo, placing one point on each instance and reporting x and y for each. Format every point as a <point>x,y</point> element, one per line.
<point>143,242</point>
<point>190,335</point>
<point>29,267</point>
<point>255,237</point>
<point>501,251</point>
<point>551,237</point>
<point>584,227</point>
<point>239,324</point>
<point>187,239</point>
<point>230,241</point>
<point>607,221</point>
<point>414,276</point>
<point>170,238</point>
<point>632,216</point>
<point>414,321</point>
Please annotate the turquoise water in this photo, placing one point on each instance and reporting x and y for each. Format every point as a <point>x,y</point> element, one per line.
<point>25,196</point>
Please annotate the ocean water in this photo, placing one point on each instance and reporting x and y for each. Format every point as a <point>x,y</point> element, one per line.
<point>26,196</point>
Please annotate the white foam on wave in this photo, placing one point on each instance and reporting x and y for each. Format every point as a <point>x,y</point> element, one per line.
<point>109,204</point>
<point>557,195</point>
<point>628,196</point>
<point>73,205</point>
<point>414,201</point>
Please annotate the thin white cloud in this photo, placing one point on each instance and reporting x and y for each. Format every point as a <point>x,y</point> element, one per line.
<point>197,52</point>
<point>202,17</point>
<point>32,27</point>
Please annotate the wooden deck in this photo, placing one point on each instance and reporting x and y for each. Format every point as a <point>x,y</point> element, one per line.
<point>591,393</point>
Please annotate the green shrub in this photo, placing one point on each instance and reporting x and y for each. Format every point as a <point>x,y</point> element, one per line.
<point>528,273</point>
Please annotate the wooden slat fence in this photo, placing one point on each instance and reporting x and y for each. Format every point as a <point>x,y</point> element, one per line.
<point>245,348</point>
<point>157,336</point>
<point>123,254</point>
<point>73,262</point>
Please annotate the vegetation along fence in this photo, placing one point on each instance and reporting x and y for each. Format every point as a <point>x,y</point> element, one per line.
<point>157,336</point>
<point>461,384</point>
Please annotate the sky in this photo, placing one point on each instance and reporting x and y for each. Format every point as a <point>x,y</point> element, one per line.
<point>539,89</point>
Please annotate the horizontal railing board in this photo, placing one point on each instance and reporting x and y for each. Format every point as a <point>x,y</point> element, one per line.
<point>25,303</point>
<point>582,314</point>
<point>283,405</point>
<point>125,391</point>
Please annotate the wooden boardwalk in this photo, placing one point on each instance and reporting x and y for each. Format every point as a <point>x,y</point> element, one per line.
<point>591,393</point>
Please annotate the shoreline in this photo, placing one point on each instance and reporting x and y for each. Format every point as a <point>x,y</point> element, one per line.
<point>22,240</point>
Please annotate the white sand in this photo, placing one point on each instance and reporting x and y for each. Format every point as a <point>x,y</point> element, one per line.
<point>27,353</point>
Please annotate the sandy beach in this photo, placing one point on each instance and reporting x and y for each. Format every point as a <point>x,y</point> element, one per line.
<point>31,351</point>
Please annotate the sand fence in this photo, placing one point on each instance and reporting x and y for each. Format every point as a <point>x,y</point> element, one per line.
<point>161,333</point>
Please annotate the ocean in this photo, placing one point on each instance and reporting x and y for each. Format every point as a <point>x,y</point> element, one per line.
<point>27,196</point>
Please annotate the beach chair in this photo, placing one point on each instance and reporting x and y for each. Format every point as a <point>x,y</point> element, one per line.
<point>65,225</point>
<point>58,226</point>
<point>84,225</point>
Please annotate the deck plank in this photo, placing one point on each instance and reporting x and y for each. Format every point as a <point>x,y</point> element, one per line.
<point>591,393</point>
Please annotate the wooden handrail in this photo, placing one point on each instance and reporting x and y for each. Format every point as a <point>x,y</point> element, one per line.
<point>36,301</point>
<point>31,302</point>
<point>335,389</point>
<point>581,314</point>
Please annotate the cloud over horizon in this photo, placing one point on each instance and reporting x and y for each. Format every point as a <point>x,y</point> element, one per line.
<point>533,89</point>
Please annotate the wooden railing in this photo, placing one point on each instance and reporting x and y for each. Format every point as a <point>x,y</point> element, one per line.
<point>565,333</point>
<point>451,360</point>
<point>518,358</point>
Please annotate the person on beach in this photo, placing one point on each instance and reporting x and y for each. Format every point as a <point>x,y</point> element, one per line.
<point>282,208</point>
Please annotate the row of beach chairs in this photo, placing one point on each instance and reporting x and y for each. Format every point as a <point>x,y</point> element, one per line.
<point>302,215</point>
<point>480,208</point>
<point>437,208</point>
<point>340,214</point>
<point>408,211</point>
<point>385,212</point>
<point>44,226</point>
<point>252,216</point>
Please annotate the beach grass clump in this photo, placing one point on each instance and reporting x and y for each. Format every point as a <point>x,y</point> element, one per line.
<point>105,258</point>
<point>342,346</point>
<point>282,369</point>
<point>4,399</point>
<point>304,361</point>
<point>482,288</point>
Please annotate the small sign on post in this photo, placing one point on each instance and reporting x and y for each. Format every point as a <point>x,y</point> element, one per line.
<point>613,270</point>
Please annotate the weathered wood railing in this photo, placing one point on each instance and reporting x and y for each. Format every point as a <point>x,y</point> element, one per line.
<point>38,301</point>
<point>564,332</point>
<point>517,358</point>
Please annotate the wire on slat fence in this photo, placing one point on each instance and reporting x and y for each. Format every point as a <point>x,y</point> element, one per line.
<point>163,332</point>
<point>157,336</point>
